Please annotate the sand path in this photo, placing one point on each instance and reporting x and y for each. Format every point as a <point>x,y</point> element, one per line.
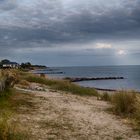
<point>60,116</point>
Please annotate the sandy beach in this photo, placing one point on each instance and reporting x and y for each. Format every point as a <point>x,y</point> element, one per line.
<point>57,115</point>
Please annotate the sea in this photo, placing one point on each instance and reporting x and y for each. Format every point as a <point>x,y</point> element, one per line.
<point>131,76</point>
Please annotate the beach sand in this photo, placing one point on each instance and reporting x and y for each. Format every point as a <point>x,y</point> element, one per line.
<point>61,116</point>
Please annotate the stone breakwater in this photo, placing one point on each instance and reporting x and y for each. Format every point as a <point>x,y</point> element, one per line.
<point>93,78</point>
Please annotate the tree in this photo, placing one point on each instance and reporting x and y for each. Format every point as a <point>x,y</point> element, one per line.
<point>26,65</point>
<point>5,61</point>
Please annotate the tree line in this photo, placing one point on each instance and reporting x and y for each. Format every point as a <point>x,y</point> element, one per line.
<point>26,65</point>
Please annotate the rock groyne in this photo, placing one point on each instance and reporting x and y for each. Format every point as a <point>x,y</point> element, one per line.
<point>90,79</point>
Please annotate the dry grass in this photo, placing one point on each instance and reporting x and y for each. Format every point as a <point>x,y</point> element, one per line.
<point>9,129</point>
<point>105,96</point>
<point>124,102</point>
<point>137,108</point>
<point>8,78</point>
<point>62,85</point>
<point>23,84</point>
<point>23,78</point>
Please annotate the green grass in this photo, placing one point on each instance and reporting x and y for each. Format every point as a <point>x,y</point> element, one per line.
<point>4,99</point>
<point>62,85</point>
<point>9,130</point>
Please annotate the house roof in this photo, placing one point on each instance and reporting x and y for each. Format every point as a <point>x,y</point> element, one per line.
<point>12,63</point>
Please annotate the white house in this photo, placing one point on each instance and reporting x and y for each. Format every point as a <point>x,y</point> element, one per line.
<point>11,65</point>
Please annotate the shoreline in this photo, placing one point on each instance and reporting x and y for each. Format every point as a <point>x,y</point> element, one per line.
<point>101,90</point>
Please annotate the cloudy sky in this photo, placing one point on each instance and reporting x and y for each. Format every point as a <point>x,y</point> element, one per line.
<point>70,32</point>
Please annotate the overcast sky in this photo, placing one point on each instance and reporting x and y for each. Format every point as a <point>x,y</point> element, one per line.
<point>70,32</point>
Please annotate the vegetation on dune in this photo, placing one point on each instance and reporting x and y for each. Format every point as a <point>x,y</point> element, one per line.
<point>105,97</point>
<point>9,129</point>
<point>8,79</point>
<point>62,85</point>
<point>125,104</point>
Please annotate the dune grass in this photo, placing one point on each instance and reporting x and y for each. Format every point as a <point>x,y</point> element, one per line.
<point>105,96</point>
<point>62,85</point>
<point>125,104</point>
<point>9,130</point>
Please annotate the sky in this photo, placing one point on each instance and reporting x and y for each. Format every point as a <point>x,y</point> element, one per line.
<point>70,32</point>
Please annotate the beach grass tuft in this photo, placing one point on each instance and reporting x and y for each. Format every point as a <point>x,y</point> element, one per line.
<point>105,96</point>
<point>124,102</point>
<point>127,105</point>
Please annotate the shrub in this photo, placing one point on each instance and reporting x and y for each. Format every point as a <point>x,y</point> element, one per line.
<point>124,102</point>
<point>8,78</point>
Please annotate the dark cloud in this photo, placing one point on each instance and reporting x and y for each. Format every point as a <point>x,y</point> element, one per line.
<point>58,24</point>
<point>6,5</point>
<point>30,23</point>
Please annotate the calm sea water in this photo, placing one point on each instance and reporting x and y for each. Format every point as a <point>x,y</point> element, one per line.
<point>130,73</point>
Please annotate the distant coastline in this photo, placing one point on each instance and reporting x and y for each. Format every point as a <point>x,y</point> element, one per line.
<point>127,77</point>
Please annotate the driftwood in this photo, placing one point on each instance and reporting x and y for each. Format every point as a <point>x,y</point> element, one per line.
<point>89,79</point>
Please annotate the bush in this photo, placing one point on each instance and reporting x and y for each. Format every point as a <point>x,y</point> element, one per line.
<point>124,102</point>
<point>8,78</point>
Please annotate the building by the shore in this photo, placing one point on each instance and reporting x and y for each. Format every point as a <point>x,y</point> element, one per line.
<point>13,65</point>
